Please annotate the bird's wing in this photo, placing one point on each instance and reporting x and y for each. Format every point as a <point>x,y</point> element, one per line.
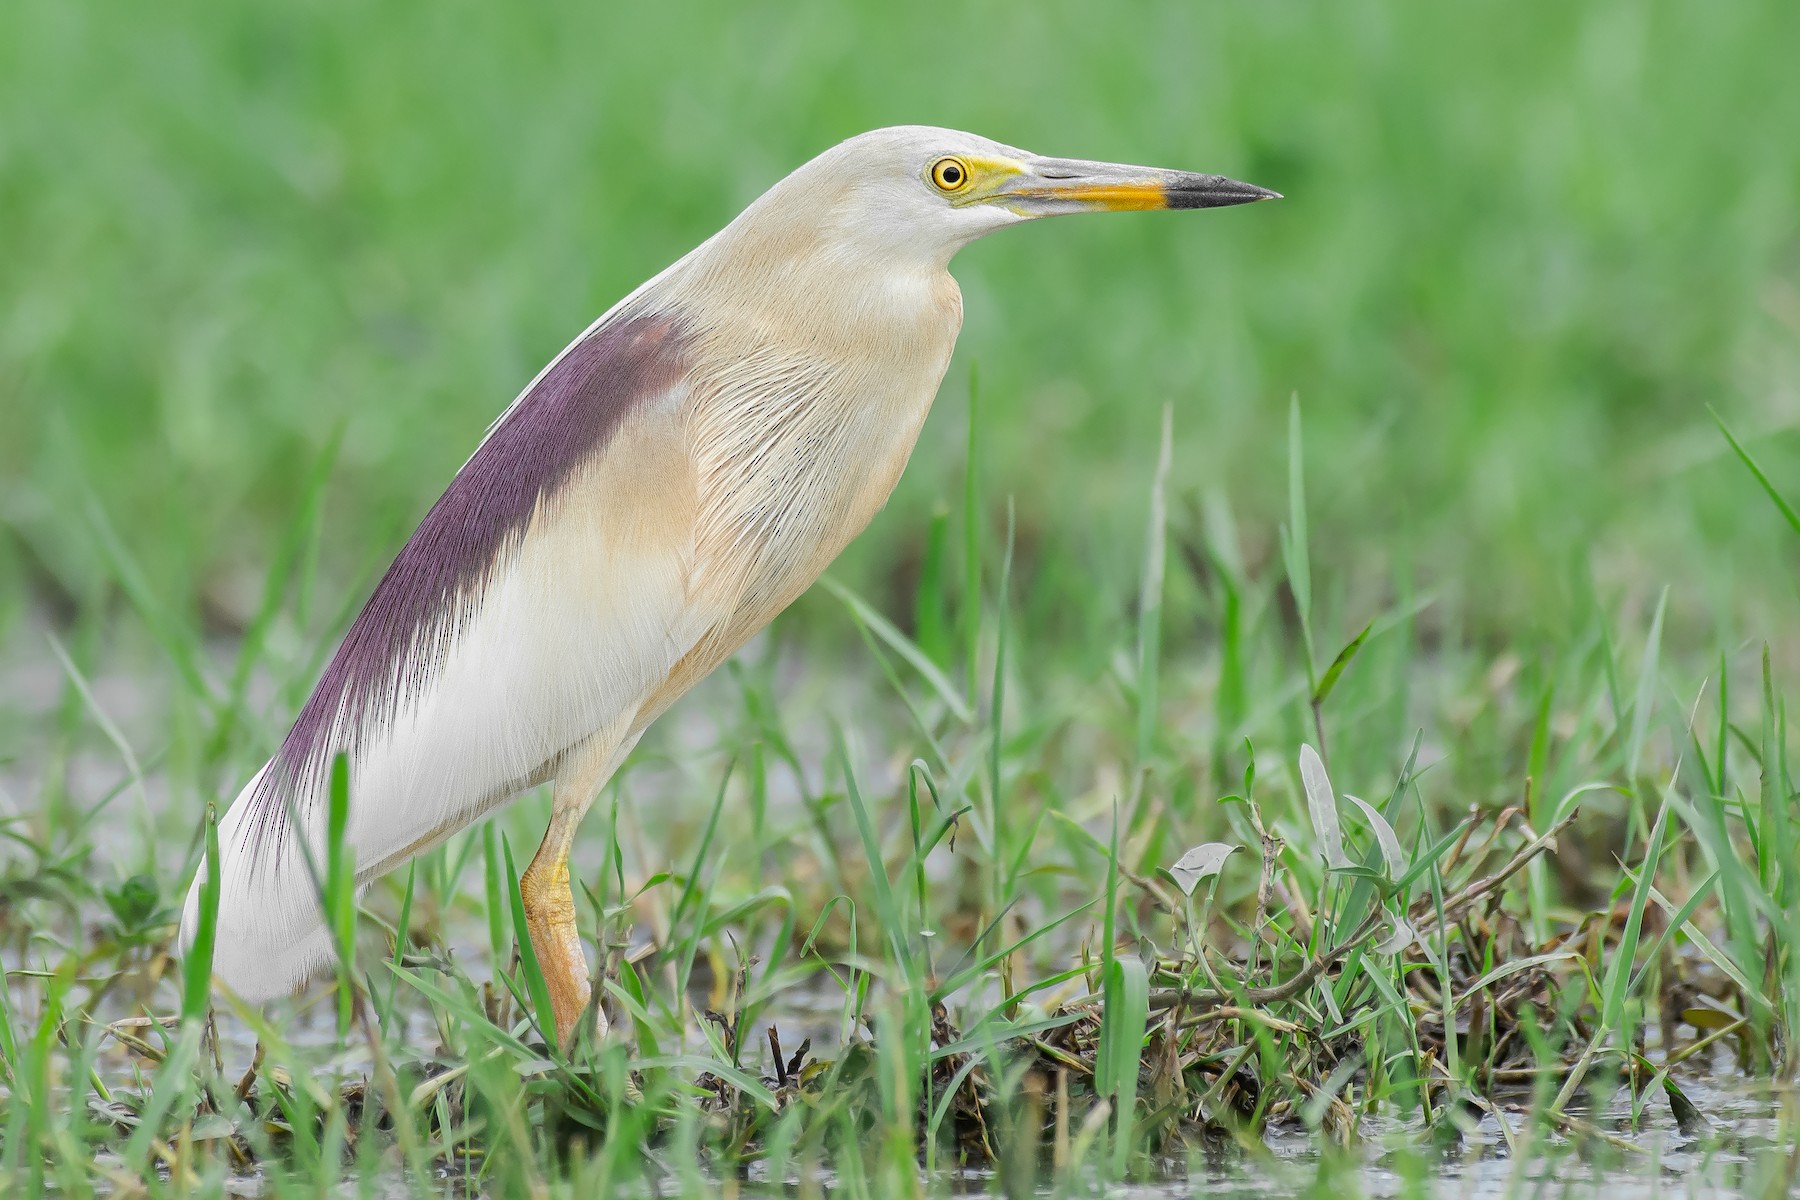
<point>539,602</point>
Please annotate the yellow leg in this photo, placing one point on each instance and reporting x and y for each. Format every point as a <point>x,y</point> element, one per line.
<point>550,916</point>
<point>549,901</point>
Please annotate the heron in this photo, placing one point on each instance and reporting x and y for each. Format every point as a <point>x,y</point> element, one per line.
<point>675,477</point>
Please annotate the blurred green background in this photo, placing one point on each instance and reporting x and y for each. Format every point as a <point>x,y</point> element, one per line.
<point>1525,245</point>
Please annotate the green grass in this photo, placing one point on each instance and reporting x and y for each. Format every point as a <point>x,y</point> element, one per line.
<point>985,950</point>
<point>1422,468</point>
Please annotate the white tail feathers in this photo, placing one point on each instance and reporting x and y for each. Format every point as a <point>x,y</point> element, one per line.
<point>272,934</point>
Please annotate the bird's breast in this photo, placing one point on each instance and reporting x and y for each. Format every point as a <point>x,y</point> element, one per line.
<point>798,443</point>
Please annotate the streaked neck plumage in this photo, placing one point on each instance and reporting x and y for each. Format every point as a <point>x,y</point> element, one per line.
<point>814,366</point>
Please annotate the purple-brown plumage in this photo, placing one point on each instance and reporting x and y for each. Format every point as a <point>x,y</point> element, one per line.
<point>397,643</point>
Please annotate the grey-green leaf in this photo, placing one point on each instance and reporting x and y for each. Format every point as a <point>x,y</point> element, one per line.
<point>1402,936</point>
<point>1391,854</point>
<point>1202,862</point>
<point>1321,803</point>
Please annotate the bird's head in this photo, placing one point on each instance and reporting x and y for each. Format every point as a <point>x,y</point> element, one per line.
<point>924,193</point>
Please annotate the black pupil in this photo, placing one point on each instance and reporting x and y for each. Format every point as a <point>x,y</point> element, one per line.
<point>952,174</point>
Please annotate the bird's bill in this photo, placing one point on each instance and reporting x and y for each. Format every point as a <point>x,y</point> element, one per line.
<point>1044,186</point>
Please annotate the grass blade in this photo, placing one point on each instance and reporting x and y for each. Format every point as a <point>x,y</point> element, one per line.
<point>1781,505</point>
<point>535,986</point>
<point>340,888</point>
<point>1616,988</point>
<point>905,647</point>
<point>1329,680</point>
<point>1295,555</point>
<point>1123,1021</point>
<point>1150,596</point>
<point>196,970</point>
<point>971,519</point>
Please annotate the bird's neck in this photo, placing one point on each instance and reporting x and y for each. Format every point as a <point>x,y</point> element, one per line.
<point>788,284</point>
<point>813,376</point>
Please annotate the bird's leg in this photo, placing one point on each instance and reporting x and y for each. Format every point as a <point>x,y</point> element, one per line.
<point>550,914</point>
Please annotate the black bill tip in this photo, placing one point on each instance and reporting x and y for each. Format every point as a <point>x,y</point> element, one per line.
<point>1212,191</point>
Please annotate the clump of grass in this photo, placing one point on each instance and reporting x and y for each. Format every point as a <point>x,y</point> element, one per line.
<point>1010,926</point>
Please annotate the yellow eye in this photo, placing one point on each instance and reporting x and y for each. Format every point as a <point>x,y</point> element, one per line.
<point>950,174</point>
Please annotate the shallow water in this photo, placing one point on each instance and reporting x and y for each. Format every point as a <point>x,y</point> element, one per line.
<point>1392,1158</point>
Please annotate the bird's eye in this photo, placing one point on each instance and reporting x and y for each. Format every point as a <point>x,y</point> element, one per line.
<point>950,174</point>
